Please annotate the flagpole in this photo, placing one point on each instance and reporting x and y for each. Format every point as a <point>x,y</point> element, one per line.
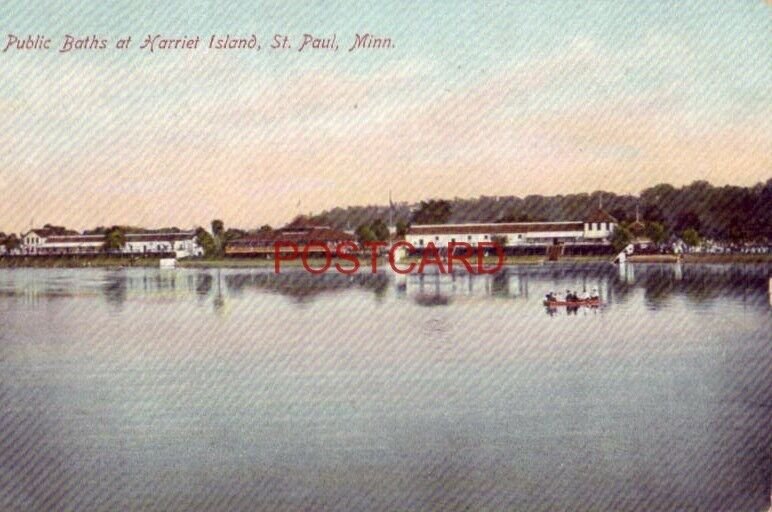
<point>391,215</point>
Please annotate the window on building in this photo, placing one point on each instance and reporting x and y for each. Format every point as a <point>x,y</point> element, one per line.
<point>469,237</point>
<point>436,239</point>
<point>589,226</point>
<point>420,241</point>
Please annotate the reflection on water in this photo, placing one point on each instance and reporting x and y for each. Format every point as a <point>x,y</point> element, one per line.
<point>242,390</point>
<point>659,283</point>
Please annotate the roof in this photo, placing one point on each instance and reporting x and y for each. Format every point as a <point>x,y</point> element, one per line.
<point>322,234</point>
<point>501,228</point>
<point>47,232</point>
<point>75,239</point>
<point>160,237</point>
<point>599,215</point>
<point>130,237</point>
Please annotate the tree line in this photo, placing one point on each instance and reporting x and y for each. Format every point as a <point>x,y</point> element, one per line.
<point>701,210</point>
<point>691,212</point>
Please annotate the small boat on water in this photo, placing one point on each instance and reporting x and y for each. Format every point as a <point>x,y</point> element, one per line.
<point>573,303</point>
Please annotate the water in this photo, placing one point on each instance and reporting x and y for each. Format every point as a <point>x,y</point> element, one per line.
<point>243,390</point>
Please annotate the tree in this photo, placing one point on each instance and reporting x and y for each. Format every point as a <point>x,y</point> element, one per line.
<point>723,213</point>
<point>432,212</point>
<point>685,220</point>
<point>621,238</point>
<point>658,194</point>
<point>691,237</point>
<point>653,212</point>
<point>402,228</point>
<point>656,232</point>
<point>12,242</point>
<point>232,234</point>
<point>380,230</point>
<point>115,239</point>
<point>514,216</point>
<point>218,228</point>
<point>365,234</point>
<point>56,230</point>
<point>206,242</point>
<point>619,214</point>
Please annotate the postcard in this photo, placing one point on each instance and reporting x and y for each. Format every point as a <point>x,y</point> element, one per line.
<point>385,256</point>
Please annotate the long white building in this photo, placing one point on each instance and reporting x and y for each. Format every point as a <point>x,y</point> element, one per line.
<point>44,242</point>
<point>596,229</point>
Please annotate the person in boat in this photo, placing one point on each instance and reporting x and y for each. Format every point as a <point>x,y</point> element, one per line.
<point>551,296</point>
<point>569,296</point>
<point>594,295</point>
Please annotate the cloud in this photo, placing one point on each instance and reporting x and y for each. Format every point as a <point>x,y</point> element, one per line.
<point>174,140</point>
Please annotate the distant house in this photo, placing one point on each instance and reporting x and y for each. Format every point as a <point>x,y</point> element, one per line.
<point>179,244</point>
<point>182,244</point>
<point>596,229</point>
<point>599,226</point>
<point>307,235</point>
<point>34,239</point>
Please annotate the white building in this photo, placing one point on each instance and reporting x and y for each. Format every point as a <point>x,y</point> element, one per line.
<point>36,238</point>
<point>181,244</point>
<point>597,229</point>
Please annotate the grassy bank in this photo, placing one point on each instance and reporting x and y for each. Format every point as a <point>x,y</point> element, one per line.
<point>490,261</point>
<point>245,263</point>
<point>76,262</point>
<point>652,258</point>
<point>700,258</point>
<point>727,258</point>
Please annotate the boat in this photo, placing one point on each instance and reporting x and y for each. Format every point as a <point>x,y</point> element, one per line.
<point>573,303</point>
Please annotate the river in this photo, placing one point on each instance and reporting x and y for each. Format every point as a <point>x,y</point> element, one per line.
<point>240,389</point>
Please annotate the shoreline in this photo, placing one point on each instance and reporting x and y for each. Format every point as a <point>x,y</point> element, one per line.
<point>76,262</point>
<point>701,258</point>
<point>122,262</point>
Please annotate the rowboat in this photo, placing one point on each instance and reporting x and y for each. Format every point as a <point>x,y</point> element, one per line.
<point>572,303</point>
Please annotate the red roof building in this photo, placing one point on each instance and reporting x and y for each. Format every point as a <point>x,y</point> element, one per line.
<point>300,232</point>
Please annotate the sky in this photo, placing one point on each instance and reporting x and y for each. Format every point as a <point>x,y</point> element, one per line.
<point>475,98</point>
